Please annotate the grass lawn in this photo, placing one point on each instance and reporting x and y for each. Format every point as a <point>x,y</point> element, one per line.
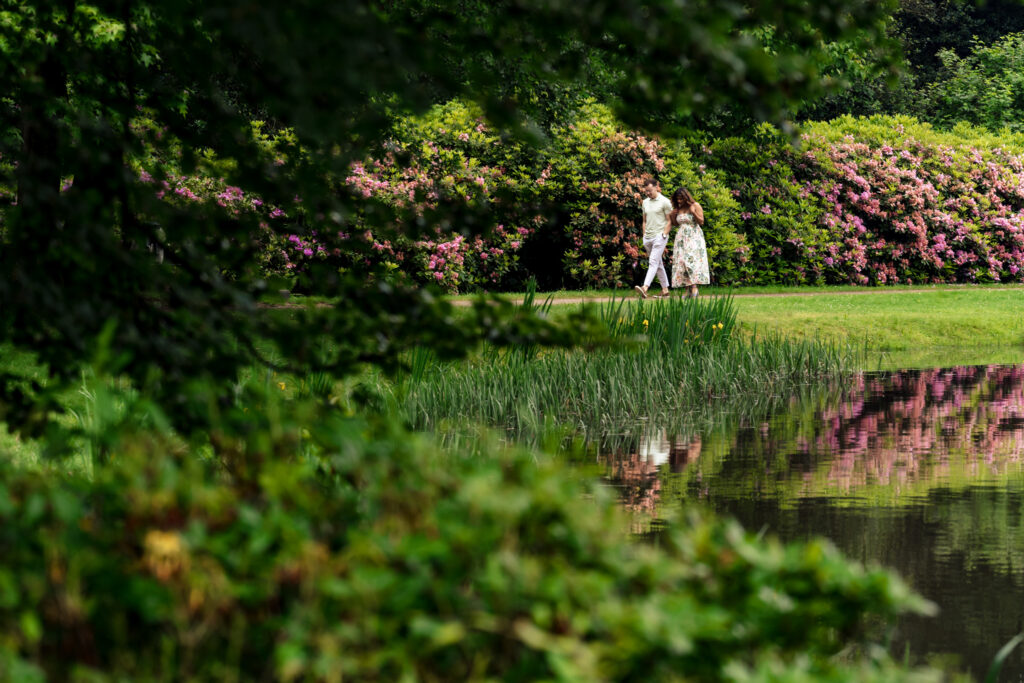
<point>894,321</point>
<point>902,327</point>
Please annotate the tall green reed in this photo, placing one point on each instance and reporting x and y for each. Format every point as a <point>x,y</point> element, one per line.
<point>677,358</point>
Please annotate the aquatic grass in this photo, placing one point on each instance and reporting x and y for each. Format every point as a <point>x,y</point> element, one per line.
<point>676,357</point>
<point>670,323</point>
<point>1004,653</point>
<point>315,385</point>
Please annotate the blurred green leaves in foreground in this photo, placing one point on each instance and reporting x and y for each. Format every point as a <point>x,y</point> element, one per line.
<point>360,551</point>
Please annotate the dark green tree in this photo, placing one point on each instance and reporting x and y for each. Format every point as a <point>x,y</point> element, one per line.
<point>985,88</point>
<point>78,77</point>
<point>927,27</point>
<point>925,30</point>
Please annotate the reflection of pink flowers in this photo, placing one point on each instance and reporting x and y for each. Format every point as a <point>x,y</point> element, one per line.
<point>912,425</point>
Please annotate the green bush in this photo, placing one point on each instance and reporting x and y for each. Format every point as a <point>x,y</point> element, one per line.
<point>780,219</point>
<point>879,200</point>
<point>352,549</point>
<point>984,88</point>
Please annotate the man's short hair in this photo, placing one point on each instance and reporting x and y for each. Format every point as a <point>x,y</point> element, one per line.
<point>650,181</point>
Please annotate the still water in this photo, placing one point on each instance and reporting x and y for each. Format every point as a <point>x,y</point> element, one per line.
<point>918,470</point>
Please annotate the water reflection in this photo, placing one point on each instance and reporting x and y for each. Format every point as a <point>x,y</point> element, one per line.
<point>637,475</point>
<point>917,470</point>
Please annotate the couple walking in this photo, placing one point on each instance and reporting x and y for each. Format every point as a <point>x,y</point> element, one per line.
<point>689,255</point>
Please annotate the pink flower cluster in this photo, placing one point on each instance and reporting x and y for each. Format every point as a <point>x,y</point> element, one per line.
<point>440,171</point>
<point>922,214</point>
<point>603,247</point>
<point>849,211</point>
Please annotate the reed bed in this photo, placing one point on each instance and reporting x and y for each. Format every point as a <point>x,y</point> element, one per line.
<point>675,358</point>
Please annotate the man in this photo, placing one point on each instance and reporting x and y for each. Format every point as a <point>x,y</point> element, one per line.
<point>656,208</point>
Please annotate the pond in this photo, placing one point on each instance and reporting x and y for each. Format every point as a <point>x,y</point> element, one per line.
<point>918,470</point>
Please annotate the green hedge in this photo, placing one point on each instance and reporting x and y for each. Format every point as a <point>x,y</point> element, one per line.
<point>880,200</point>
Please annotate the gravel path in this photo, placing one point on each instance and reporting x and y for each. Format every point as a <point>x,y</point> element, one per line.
<point>737,295</point>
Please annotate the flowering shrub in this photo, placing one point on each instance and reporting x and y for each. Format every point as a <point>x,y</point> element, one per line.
<point>878,201</point>
<point>569,217</point>
<point>596,170</point>
<point>451,157</point>
<point>909,204</point>
<point>779,218</point>
<point>864,201</point>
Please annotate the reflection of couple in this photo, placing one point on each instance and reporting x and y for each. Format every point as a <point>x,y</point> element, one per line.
<point>689,255</point>
<point>637,473</point>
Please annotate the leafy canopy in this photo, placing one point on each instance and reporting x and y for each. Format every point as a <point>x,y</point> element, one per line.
<point>91,88</point>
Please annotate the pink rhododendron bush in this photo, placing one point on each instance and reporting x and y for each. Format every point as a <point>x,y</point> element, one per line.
<point>568,215</point>
<point>877,201</point>
<point>865,201</point>
<point>450,158</point>
<point>594,176</point>
<point>907,204</point>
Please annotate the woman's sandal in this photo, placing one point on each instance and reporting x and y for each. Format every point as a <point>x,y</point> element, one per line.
<point>640,291</point>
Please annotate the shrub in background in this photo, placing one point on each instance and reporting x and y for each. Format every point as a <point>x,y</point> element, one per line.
<point>779,221</point>
<point>568,215</point>
<point>984,87</point>
<point>596,169</point>
<point>594,176</point>
<point>451,157</point>
<point>882,200</point>
<point>911,204</point>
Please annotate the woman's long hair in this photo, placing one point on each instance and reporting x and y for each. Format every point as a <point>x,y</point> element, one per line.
<point>681,200</point>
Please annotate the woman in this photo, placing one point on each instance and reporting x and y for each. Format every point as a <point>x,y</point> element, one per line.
<point>689,254</point>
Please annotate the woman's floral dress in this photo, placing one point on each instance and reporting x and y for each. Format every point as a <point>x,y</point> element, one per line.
<point>689,254</point>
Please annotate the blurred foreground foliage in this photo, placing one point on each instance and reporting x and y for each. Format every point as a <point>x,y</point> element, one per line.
<point>361,551</point>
